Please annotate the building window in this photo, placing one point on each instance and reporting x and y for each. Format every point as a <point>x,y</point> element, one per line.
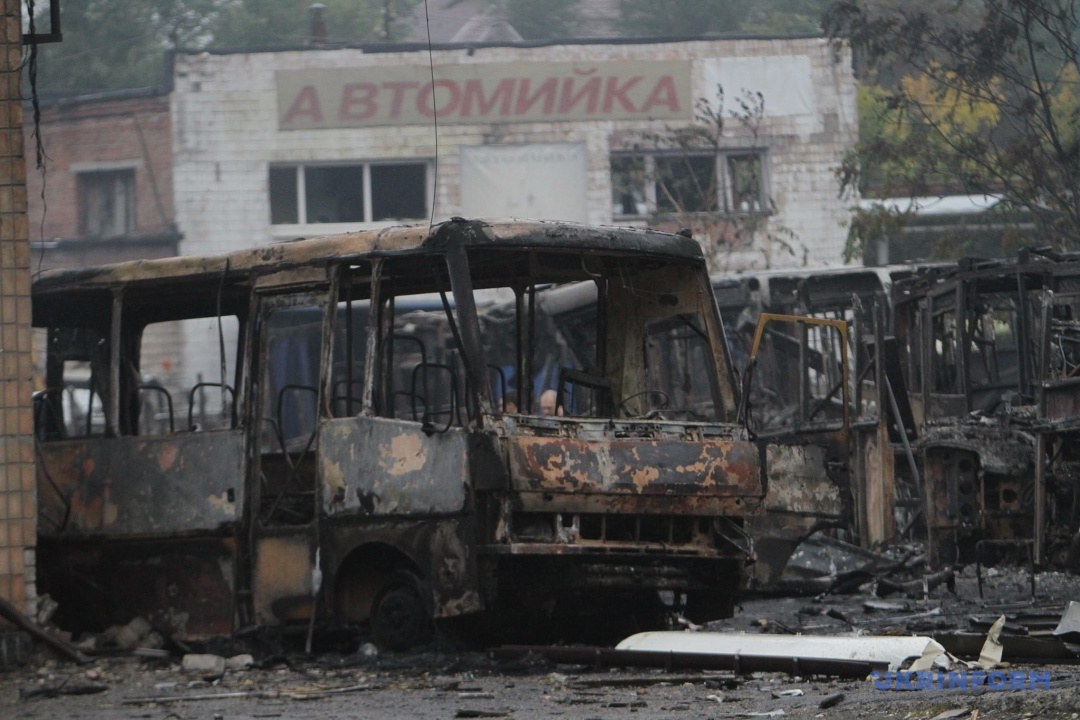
<point>106,203</point>
<point>744,183</point>
<point>726,182</point>
<point>363,192</point>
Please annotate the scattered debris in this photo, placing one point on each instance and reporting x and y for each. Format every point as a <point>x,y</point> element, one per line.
<point>952,714</point>
<point>306,694</point>
<point>793,692</point>
<point>885,606</point>
<point>830,700</point>
<point>1068,628</point>
<point>920,587</point>
<point>133,634</point>
<point>473,713</point>
<point>990,655</point>
<point>64,688</point>
<point>12,614</point>
<point>670,659</point>
<point>239,662</point>
<point>207,667</point>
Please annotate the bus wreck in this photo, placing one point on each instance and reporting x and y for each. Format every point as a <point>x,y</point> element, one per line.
<point>371,447</point>
<point>965,380</point>
<point>989,352</point>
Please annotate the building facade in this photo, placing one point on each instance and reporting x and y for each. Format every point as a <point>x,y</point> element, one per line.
<point>287,144</point>
<point>735,139</point>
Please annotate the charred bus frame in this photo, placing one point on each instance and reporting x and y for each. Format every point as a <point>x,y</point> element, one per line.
<point>366,467</point>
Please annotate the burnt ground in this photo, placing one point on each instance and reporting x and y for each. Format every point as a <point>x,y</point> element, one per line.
<point>441,684</point>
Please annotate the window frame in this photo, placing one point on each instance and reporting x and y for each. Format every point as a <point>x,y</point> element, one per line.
<point>725,201</point>
<point>105,182</point>
<point>366,166</point>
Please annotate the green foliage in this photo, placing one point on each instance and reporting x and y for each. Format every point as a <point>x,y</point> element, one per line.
<point>539,20</point>
<point>287,23</point>
<point>121,43</point>
<point>684,18</point>
<point>785,16</point>
<point>973,96</point>
<point>871,226</point>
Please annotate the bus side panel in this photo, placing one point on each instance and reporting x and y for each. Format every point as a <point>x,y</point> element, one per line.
<point>802,497</point>
<point>282,582</point>
<point>376,467</point>
<point>131,486</point>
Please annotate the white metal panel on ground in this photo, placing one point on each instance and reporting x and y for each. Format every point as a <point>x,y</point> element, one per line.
<point>892,650</point>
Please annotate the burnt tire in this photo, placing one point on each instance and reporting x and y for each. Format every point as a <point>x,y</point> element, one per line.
<point>399,617</point>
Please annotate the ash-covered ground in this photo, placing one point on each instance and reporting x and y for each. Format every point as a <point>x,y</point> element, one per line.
<point>442,683</point>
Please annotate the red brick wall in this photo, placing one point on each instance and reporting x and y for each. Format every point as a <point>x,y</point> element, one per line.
<point>104,131</point>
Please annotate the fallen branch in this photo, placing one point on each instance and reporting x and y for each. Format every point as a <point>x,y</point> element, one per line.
<point>13,615</point>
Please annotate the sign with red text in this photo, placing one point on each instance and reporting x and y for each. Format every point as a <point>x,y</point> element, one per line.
<point>315,99</point>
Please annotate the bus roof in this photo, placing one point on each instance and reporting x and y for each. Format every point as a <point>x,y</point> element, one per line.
<point>386,242</point>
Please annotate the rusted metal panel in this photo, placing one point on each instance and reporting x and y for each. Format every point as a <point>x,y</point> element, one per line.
<point>801,496</point>
<point>799,482</point>
<point>377,467</point>
<point>129,486</point>
<point>1062,400</point>
<point>710,468</point>
<point>877,491</point>
<point>282,584</point>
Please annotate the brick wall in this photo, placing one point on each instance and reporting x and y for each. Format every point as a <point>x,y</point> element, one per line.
<point>81,135</point>
<point>17,492</point>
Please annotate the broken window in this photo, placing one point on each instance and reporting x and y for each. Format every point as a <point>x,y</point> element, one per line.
<point>350,342</point>
<point>353,193</point>
<point>693,182</point>
<point>678,357</point>
<point>745,187</point>
<point>76,383</point>
<point>175,395</point>
<point>106,203</point>
<point>628,186</point>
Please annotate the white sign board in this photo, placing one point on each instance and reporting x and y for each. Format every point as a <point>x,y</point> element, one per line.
<point>541,181</point>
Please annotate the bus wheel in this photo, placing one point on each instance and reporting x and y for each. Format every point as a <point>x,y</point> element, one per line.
<point>399,617</point>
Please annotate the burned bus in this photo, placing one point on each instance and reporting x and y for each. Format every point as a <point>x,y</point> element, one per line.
<point>368,447</point>
<point>813,385</point>
<point>990,351</point>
